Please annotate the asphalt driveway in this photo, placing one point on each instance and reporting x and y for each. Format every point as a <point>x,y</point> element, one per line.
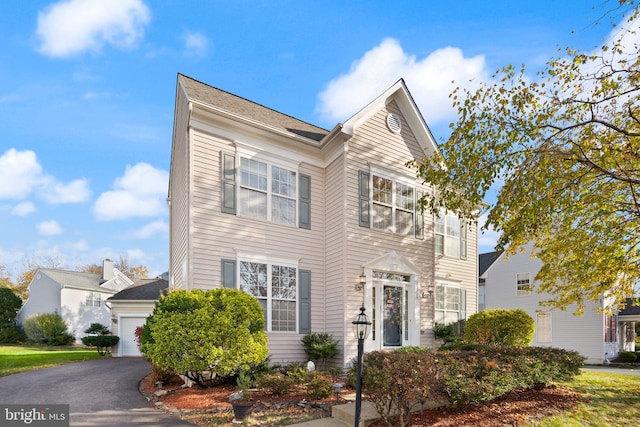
<point>99,392</point>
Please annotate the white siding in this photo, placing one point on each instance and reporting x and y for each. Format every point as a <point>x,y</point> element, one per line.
<point>584,334</point>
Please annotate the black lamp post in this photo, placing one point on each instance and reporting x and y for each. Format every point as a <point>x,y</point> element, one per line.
<point>361,330</point>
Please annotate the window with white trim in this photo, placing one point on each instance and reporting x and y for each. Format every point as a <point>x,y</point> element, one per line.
<point>543,327</point>
<point>267,191</point>
<point>610,329</point>
<point>450,236</point>
<point>275,287</point>
<point>93,299</point>
<point>393,205</point>
<point>523,283</point>
<point>450,302</point>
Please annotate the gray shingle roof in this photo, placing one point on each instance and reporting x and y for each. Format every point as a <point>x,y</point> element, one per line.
<point>486,260</point>
<point>76,279</point>
<point>143,290</point>
<point>630,309</point>
<point>243,107</point>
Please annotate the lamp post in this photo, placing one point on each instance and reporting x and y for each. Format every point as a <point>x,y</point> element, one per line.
<point>360,330</point>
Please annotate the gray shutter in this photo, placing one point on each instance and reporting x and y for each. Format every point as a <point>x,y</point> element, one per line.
<point>228,169</point>
<point>228,273</point>
<point>463,240</point>
<point>304,300</point>
<point>419,216</point>
<point>363,189</point>
<point>304,201</point>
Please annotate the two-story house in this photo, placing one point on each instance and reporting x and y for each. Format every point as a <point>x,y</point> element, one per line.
<point>315,223</point>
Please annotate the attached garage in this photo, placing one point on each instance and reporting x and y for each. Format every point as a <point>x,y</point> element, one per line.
<point>130,309</point>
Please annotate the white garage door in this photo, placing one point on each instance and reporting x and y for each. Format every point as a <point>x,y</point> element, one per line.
<point>128,345</point>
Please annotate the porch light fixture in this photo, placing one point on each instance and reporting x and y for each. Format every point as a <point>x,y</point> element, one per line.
<point>361,331</point>
<point>428,293</point>
<point>361,282</point>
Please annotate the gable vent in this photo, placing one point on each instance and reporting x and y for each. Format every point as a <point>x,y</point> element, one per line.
<point>393,123</point>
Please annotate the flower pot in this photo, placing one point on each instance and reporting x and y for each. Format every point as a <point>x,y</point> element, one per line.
<point>241,410</point>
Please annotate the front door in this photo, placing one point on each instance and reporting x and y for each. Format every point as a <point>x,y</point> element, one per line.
<point>392,310</point>
<point>394,316</point>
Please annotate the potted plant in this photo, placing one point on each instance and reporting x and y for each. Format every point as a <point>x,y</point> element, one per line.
<point>241,400</point>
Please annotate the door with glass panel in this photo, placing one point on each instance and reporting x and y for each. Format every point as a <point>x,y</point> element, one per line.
<point>392,314</point>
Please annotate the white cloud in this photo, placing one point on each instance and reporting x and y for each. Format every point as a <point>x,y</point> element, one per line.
<point>151,229</point>
<point>73,192</point>
<point>195,44</point>
<point>429,80</point>
<point>23,209</point>
<point>140,192</point>
<point>49,228</point>
<point>487,239</point>
<point>20,172</point>
<point>67,28</point>
<point>135,254</point>
<point>21,175</point>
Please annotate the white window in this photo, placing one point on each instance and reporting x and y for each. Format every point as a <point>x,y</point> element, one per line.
<point>275,287</point>
<point>267,191</point>
<point>450,302</point>
<point>393,205</point>
<point>450,236</point>
<point>481,294</point>
<point>93,299</point>
<point>523,283</point>
<point>543,327</point>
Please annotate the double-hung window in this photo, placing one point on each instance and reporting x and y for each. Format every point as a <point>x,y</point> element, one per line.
<point>393,205</point>
<point>543,327</point>
<point>450,302</point>
<point>523,284</point>
<point>93,299</point>
<point>267,191</point>
<point>450,236</point>
<point>275,287</point>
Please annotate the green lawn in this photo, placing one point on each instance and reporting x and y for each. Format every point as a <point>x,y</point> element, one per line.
<point>613,400</point>
<point>20,358</point>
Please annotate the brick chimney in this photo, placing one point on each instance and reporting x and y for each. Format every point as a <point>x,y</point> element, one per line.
<point>107,270</point>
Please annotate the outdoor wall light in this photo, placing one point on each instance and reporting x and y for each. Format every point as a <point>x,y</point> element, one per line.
<point>361,282</point>
<point>428,293</point>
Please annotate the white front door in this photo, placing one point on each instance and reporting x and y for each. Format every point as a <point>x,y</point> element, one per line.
<point>392,313</point>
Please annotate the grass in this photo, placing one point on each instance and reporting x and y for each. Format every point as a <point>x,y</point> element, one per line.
<point>612,400</point>
<point>21,358</point>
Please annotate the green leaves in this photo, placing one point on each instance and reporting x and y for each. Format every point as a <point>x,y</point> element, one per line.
<point>565,151</point>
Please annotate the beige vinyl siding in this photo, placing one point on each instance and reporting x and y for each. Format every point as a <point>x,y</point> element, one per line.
<point>179,193</point>
<point>216,235</point>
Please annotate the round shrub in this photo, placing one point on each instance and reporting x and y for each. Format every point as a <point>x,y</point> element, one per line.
<point>500,327</point>
<point>48,328</point>
<point>627,357</point>
<point>206,336</point>
<point>319,386</point>
<point>319,347</point>
<point>276,384</point>
<point>100,337</point>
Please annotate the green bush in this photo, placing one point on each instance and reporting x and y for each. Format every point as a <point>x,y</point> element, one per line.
<point>12,334</point>
<point>319,386</point>
<point>627,357</point>
<point>445,333</point>
<point>48,328</point>
<point>296,370</point>
<point>499,326</point>
<point>10,303</point>
<point>319,346</point>
<point>206,336</point>
<point>276,384</point>
<point>100,338</point>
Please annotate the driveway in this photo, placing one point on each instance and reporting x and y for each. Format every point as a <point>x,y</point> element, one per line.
<point>99,392</point>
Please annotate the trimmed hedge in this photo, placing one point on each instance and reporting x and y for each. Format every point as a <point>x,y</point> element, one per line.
<point>499,326</point>
<point>395,382</point>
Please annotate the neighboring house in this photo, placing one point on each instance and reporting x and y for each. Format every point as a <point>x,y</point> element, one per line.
<point>78,297</point>
<point>509,284</point>
<point>484,262</point>
<point>315,223</point>
<point>130,309</point>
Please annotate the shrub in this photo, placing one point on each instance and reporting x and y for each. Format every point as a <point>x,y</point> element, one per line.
<point>100,337</point>
<point>395,382</point>
<point>319,346</point>
<point>295,370</point>
<point>627,357</point>
<point>445,333</point>
<point>218,332</point>
<point>319,386</point>
<point>12,334</point>
<point>48,328</point>
<point>501,327</point>
<point>276,384</point>
<point>10,303</point>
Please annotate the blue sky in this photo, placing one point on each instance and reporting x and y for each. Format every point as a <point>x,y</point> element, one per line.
<point>87,91</point>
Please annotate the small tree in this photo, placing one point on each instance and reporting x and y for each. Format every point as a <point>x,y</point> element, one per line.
<point>204,335</point>
<point>48,328</point>
<point>319,347</point>
<point>99,337</point>
<point>501,327</point>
